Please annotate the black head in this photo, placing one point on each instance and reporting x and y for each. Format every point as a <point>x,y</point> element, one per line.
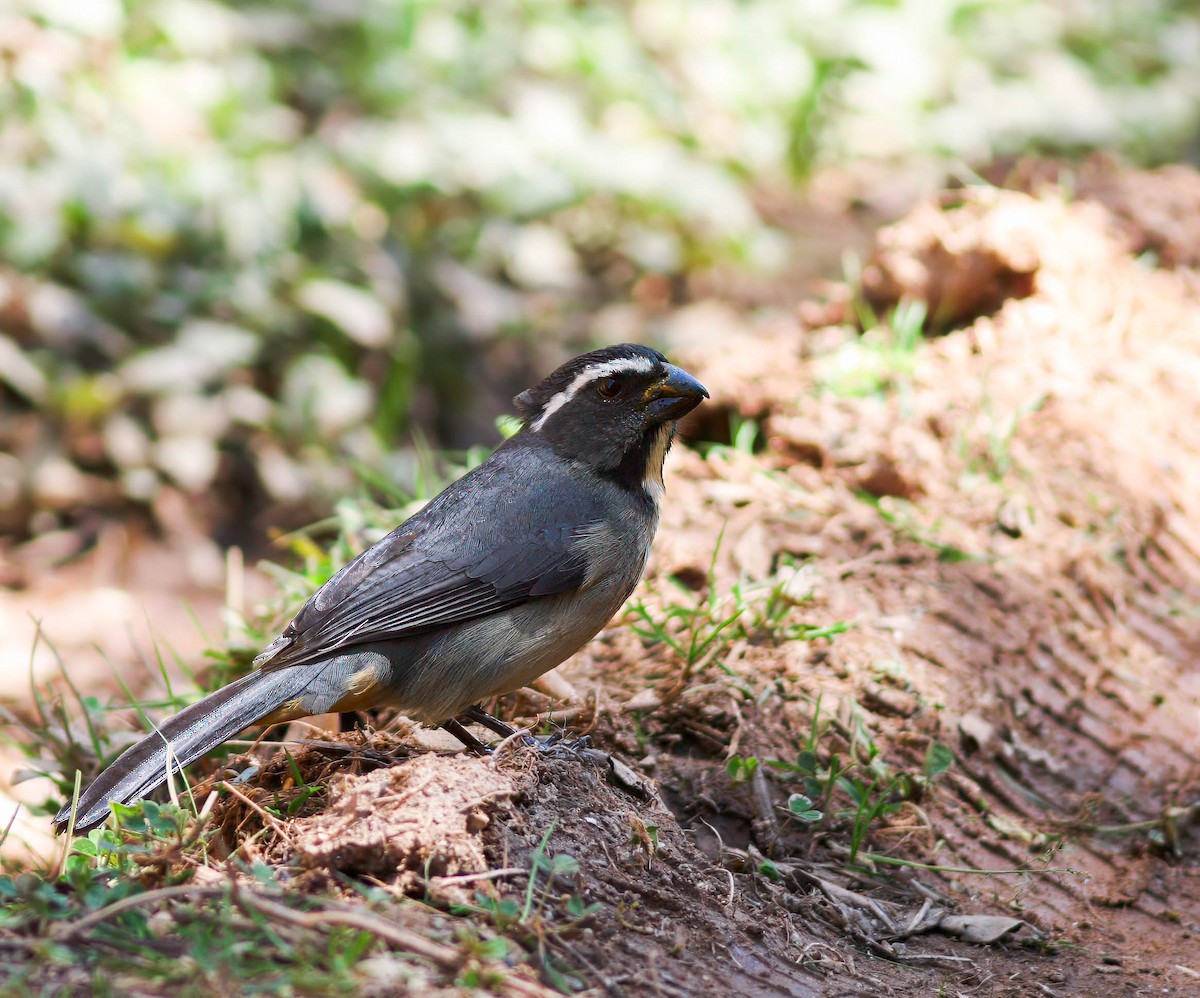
<point>614,409</point>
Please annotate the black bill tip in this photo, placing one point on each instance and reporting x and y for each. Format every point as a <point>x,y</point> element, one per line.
<point>674,395</point>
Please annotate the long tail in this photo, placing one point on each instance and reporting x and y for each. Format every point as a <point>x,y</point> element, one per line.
<point>181,739</point>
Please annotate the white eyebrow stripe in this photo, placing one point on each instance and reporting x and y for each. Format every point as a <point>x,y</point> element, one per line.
<point>641,365</point>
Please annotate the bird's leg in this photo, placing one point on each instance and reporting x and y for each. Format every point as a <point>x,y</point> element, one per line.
<point>472,743</point>
<point>481,716</point>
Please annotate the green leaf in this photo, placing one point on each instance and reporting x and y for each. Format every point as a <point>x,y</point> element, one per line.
<point>563,865</point>
<point>853,789</point>
<point>741,770</point>
<point>807,762</point>
<point>495,948</point>
<point>802,808</point>
<point>577,908</point>
<point>938,759</point>
<point>770,871</point>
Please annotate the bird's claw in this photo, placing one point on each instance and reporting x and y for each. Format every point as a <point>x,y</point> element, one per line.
<point>555,746</point>
<point>550,746</point>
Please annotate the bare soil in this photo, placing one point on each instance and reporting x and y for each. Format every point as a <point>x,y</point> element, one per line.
<point>1010,525</point>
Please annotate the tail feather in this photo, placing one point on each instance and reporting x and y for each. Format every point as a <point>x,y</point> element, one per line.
<point>181,739</point>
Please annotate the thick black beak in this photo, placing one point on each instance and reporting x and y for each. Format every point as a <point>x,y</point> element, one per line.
<point>674,396</point>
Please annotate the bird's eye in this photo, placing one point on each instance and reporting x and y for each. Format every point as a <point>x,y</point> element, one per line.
<point>609,388</point>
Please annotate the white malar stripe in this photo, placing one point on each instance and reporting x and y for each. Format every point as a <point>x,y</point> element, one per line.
<point>642,365</point>
<point>652,478</point>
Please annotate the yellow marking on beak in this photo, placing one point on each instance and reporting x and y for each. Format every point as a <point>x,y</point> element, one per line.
<point>676,383</point>
<point>663,390</point>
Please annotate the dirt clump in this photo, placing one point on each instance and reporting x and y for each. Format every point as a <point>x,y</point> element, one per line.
<point>1157,211</point>
<point>619,893</point>
<point>413,821</point>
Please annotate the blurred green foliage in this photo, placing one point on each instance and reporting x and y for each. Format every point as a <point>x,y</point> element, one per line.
<point>247,244</point>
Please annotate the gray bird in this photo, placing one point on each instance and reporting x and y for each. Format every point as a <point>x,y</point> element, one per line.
<point>495,581</point>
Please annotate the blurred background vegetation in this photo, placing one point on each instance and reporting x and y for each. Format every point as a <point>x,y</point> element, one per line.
<point>249,251</point>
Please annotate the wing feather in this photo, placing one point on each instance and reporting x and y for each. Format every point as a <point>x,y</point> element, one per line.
<point>490,541</point>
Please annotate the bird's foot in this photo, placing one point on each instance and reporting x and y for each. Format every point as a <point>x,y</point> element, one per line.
<point>556,746</point>
<point>552,746</point>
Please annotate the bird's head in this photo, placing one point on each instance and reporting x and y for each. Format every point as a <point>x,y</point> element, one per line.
<point>614,409</point>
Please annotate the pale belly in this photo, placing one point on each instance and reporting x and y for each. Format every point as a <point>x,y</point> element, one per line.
<point>504,652</point>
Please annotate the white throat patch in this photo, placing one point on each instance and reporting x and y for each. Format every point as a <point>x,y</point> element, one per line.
<point>604,369</point>
<point>652,479</point>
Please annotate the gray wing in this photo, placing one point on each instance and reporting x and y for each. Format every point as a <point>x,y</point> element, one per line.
<point>495,538</point>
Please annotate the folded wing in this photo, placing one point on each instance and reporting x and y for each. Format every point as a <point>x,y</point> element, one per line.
<point>445,564</point>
